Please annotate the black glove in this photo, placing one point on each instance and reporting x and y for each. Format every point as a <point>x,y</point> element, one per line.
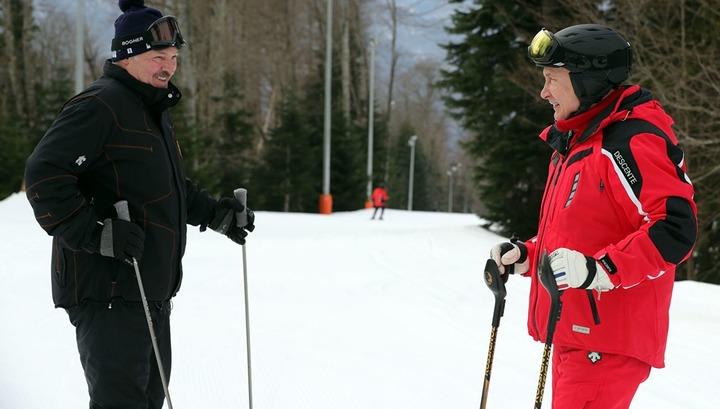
<point>224,220</point>
<point>122,240</point>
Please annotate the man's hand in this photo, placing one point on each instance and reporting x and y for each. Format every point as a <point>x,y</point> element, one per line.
<point>225,219</point>
<point>573,269</point>
<point>122,240</point>
<point>511,258</point>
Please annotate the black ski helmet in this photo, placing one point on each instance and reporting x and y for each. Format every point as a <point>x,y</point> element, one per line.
<point>598,58</point>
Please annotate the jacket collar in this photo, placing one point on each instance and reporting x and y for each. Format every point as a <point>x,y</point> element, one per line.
<point>156,99</point>
<point>579,128</point>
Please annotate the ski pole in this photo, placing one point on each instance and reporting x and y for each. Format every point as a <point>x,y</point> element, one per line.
<point>241,221</point>
<point>123,213</point>
<point>496,283</point>
<point>547,278</point>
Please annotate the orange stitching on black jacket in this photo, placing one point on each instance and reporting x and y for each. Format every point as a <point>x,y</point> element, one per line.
<point>48,178</point>
<point>66,217</point>
<point>143,147</point>
<point>117,122</point>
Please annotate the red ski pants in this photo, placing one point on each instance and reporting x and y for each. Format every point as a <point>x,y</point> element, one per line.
<point>609,383</point>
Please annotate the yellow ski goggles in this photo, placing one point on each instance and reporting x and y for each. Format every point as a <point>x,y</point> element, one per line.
<point>542,47</point>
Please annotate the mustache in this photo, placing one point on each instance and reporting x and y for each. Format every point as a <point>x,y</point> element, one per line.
<point>163,74</point>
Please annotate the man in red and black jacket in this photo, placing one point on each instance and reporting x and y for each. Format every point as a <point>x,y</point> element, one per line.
<point>616,219</point>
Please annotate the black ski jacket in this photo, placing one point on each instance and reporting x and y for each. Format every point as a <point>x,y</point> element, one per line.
<point>114,141</point>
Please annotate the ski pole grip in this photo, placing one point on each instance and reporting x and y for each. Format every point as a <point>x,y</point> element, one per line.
<point>241,196</point>
<point>121,207</point>
<point>547,277</point>
<point>495,282</point>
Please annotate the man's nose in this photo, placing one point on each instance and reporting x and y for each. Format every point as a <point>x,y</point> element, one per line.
<point>544,93</point>
<point>169,66</point>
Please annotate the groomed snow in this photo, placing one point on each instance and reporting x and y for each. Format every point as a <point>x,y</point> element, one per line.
<point>346,313</point>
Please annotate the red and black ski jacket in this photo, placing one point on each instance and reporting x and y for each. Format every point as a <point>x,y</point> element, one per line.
<point>617,190</point>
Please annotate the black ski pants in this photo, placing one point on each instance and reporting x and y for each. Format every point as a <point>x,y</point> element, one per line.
<point>117,355</point>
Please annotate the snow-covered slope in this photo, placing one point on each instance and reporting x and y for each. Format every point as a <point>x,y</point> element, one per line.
<point>346,313</point>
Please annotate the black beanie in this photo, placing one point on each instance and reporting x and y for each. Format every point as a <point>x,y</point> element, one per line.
<point>135,19</point>
<point>130,27</point>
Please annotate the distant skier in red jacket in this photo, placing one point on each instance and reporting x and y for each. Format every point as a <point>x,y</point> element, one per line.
<point>379,197</point>
<point>617,217</point>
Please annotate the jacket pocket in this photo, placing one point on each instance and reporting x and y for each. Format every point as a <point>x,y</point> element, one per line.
<point>59,265</point>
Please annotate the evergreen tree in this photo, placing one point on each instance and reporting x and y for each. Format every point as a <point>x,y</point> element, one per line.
<point>289,175</point>
<point>231,161</point>
<point>503,119</point>
<point>426,195</point>
<point>348,163</point>
<point>217,154</point>
<point>347,149</point>
<point>50,99</point>
<point>18,136</point>
<point>12,156</point>
<point>398,174</point>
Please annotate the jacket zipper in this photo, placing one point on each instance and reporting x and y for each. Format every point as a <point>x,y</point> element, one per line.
<point>174,165</point>
<point>593,307</point>
<point>112,294</point>
<point>541,236</point>
<point>541,233</point>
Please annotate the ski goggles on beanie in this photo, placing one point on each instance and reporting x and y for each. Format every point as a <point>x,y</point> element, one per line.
<point>163,33</point>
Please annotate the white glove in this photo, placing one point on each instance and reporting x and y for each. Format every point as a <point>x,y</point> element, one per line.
<point>573,269</point>
<point>511,255</point>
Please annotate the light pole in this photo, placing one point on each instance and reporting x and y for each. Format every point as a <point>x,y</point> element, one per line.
<point>458,169</point>
<point>411,143</point>
<point>371,123</point>
<point>465,193</point>
<point>326,198</point>
<point>455,168</point>
<point>79,33</point>
<point>450,173</point>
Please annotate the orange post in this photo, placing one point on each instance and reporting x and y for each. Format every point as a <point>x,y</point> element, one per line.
<point>368,204</point>
<point>325,204</point>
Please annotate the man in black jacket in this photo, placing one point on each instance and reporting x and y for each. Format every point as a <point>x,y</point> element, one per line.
<point>112,142</point>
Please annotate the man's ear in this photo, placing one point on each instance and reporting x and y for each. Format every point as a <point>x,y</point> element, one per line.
<point>123,63</point>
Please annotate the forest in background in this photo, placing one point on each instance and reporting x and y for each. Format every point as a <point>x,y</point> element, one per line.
<point>252,78</point>
<point>252,110</point>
